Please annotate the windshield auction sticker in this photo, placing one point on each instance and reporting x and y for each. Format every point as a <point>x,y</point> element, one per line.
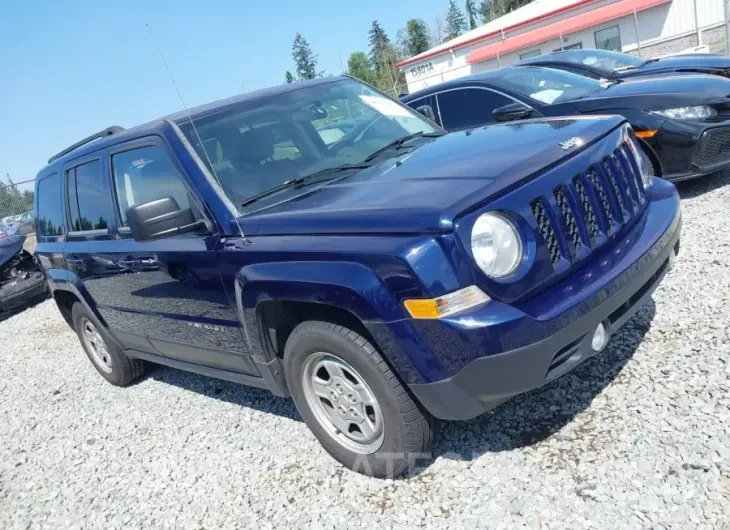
<point>385,106</point>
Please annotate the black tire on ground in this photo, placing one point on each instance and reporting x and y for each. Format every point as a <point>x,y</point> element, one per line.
<point>120,370</point>
<point>408,430</point>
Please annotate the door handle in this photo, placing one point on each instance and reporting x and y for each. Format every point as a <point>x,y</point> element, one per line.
<point>74,260</point>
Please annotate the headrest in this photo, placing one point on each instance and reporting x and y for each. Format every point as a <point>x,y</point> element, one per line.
<point>256,145</point>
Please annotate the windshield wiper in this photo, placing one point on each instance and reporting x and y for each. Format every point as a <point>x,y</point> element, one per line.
<point>298,181</point>
<point>399,142</point>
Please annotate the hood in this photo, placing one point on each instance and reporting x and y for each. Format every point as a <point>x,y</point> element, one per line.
<point>426,188</point>
<point>9,247</point>
<point>696,62</point>
<point>658,92</point>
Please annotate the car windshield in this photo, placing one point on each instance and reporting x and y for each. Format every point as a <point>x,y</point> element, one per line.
<point>545,85</point>
<point>260,144</point>
<point>602,59</point>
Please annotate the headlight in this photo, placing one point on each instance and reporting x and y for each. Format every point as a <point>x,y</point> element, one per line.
<point>646,167</point>
<point>699,112</point>
<point>496,245</point>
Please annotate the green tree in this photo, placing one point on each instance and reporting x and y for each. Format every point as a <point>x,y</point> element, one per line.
<point>416,38</point>
<point>358,65</point>
<point>288,77</point>
<point>383,58</point>
<point>471,13</point>
<point>455,21</point>
<point>304,59</point>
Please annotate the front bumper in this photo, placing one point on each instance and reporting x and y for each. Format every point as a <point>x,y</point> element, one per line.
<point>488,381</point>
<point>689,150</point>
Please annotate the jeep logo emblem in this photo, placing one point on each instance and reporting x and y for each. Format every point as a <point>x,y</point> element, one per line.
<point>573,142</point>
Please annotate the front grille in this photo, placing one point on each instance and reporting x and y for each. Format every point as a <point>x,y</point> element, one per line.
<point>715,146</point>
<point>591,207</point>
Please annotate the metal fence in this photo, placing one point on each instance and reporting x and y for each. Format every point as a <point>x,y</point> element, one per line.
<point>16,208</point>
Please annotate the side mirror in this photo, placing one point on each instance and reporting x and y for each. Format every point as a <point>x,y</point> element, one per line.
<point>512,112</point>
<point>426,111</point>
<point>161,218</point>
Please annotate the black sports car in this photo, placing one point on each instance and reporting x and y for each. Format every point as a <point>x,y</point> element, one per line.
<point>685,119</point>
<point>604,64</point>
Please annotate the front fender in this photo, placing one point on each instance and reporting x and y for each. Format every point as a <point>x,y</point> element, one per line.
<point>345,285</point>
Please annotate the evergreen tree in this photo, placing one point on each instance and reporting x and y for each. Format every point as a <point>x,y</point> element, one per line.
<point>471,13</point>
<point>380,47</point>
<point>304,59</point>
<point>416,38</point>
<point>455,21</point>
<point>358,65</point>
<point>288,77</point>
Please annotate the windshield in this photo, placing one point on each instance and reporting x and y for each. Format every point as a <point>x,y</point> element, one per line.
<point>602,59</point>
<point>545,85</point>
<point>260,144</point>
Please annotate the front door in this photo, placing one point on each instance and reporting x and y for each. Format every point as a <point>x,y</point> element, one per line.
<point>166,297</point>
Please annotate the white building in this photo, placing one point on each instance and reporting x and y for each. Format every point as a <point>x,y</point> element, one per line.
<point>650,28</point>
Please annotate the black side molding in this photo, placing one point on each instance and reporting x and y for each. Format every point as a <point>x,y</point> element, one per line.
<point>271,379</point>
<point>114,129</point>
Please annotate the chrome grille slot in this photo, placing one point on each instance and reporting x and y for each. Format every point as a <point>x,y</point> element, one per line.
<point>570,221</point>
<point>546,229</point>
<point>590,217</point>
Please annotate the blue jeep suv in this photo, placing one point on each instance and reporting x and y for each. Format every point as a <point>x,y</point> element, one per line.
<point>380,272</point>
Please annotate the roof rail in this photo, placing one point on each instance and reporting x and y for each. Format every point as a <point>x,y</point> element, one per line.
<point>114,129</point>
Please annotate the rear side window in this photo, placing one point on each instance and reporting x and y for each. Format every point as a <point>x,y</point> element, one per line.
<point>50,206</point>
<point>145,174</point>
<point>89,197</point>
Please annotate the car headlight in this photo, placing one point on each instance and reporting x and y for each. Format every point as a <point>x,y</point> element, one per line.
<point>496,245</point>
<point>646,167</point>
<point>699,112</point>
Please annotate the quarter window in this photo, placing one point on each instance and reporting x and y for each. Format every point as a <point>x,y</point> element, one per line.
<point>88,197</point>
<point>146,174</point>
<point>609,39</point>
<point>469,107</point>
<point>50,207</point>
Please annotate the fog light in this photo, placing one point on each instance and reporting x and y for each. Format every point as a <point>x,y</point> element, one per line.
<point>600,338</point>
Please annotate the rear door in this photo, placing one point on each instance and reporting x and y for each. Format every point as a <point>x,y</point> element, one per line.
<point>164,297</point>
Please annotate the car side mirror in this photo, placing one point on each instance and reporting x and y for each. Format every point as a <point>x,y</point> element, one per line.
<point>426,111</point>
<point>161,218</point>
<point>512,112</point>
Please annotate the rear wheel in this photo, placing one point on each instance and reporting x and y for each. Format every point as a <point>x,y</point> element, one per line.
<point>108,359</point>
<point>353,403</point>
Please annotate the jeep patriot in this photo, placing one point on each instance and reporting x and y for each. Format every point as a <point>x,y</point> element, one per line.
<point>327,243</point>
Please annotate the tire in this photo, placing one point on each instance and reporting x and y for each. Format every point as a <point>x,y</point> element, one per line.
<point>109,360</point>
<point>396,432</point>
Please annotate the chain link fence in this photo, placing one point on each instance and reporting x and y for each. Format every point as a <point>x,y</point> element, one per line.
<point>16,209</point>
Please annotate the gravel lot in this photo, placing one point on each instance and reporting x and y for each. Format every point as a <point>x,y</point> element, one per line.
<point>638,437</point>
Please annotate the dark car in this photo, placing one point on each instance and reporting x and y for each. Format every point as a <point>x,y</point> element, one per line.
<point>684,119</point>
<point>383,281</point>
<point>604,64</point>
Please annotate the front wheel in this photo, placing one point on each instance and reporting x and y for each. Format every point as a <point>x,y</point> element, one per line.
<point>353,403</point>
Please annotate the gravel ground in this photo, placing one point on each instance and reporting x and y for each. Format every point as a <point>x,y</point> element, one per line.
<point>638,437</point>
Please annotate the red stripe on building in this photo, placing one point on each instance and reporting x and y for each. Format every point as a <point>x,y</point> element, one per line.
<point>562,27</point>
<point>492,34</point>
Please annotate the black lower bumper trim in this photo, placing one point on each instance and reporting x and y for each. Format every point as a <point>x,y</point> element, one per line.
<point>487,382</point>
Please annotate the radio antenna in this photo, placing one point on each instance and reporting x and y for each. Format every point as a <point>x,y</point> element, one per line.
<point>190,118</point>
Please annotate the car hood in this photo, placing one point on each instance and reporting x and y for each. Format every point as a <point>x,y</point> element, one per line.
<point>658,92</point>
<point>9,247</point>
<point>426,188</point>
<point>696,62</point>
